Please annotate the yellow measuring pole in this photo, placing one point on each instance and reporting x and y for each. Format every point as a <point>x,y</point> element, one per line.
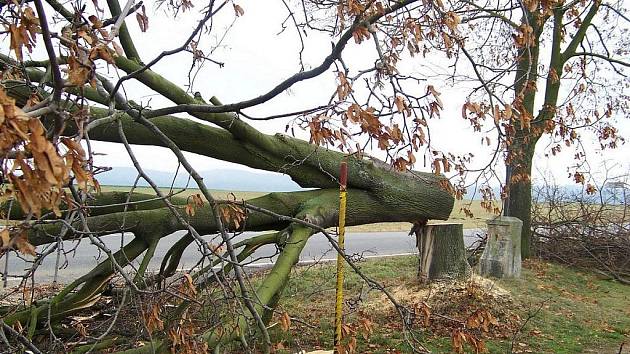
<point>343,177</point>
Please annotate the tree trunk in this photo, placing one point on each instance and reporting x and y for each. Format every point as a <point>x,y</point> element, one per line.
<point>442,253</point>
<point>520,151</point>
<point>519,203</point>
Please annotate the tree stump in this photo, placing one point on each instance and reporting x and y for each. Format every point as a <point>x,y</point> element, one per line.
<point>442,252</point>
<point>502,256</point>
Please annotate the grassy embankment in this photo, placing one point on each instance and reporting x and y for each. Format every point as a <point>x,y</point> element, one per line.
<point>551,309</point>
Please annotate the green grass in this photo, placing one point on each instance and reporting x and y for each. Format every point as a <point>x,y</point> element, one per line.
<point>579,312</point>
<point>575,311</point>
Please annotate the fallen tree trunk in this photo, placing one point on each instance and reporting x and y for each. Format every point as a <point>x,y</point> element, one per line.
<point>148,222</point>
<point>319,207</point>
<point>376,193</point>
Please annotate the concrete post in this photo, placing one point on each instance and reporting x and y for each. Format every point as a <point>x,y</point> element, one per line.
<point>502,256</point>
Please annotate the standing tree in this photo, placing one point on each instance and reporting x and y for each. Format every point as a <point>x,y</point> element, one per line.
<point>75,87</point>
<point>560,77</point>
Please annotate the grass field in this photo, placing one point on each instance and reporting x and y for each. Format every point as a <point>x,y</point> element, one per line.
<point>478,221</point>
<point>219,194</point>
<point>551,309</point>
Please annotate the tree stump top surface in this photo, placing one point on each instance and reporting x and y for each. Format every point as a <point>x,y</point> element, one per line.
<point>445,223</point>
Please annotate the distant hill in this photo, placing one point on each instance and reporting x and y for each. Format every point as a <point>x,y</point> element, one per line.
<point>215,179</point>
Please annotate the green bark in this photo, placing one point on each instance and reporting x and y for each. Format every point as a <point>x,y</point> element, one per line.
<point>123,33</point>
<point>363,208</point>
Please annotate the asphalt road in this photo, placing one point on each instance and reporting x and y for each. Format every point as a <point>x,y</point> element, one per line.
<point>85,255</point>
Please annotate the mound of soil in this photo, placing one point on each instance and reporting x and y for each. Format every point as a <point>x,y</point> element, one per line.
<point>476,305</point>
